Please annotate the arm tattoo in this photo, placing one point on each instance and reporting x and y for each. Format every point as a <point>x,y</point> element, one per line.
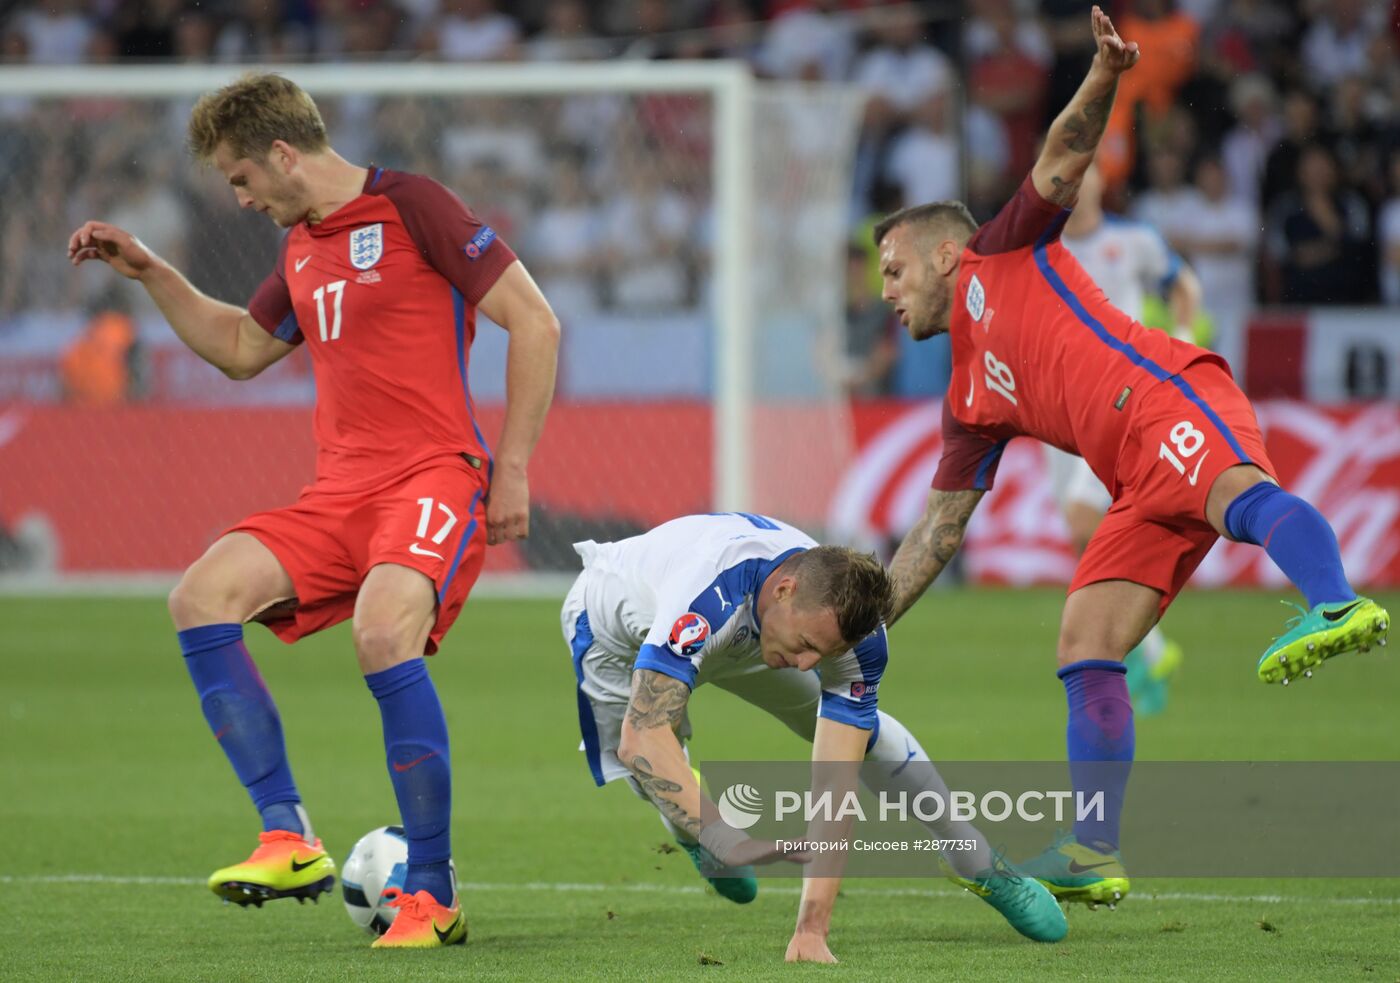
<point>657,787</point>
<point>930,545</point>
<point>1065,193</point>
<point>1086,129</point>
<point>657,700</point>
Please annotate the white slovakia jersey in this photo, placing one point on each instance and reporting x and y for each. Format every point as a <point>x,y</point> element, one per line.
<point>1127,259</point>
<point>680,600</point>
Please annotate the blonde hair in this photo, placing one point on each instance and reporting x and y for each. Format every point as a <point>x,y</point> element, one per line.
<point>854,585</point>
<point>248,115</point>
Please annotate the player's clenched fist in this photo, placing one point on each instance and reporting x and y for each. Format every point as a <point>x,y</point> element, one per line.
<point>1114,54</point>
<point>116,247</point>
<point>508,508</point>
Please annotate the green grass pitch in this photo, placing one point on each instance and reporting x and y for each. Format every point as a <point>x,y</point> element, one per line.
<point>115,804</point>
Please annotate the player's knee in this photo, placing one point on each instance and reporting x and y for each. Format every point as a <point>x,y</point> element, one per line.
<point>381,645</point>
<point>1077,645</point>
<point>199,600</point>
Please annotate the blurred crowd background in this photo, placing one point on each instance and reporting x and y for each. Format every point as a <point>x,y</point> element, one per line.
<point>1261,137</point>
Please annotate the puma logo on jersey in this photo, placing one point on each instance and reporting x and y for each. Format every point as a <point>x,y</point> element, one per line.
<point>722,602</point>
<point>976,298</point>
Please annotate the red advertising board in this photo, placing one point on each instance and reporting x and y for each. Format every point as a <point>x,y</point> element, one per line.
<point>145,489</point>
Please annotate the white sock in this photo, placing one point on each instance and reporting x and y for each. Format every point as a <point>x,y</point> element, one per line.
<point>911,773</point>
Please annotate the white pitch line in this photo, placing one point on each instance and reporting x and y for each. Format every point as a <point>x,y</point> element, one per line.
<point>565,887</point>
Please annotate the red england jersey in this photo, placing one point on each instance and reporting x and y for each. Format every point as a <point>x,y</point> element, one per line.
<point>1039,351</point>
<point>384,292</point>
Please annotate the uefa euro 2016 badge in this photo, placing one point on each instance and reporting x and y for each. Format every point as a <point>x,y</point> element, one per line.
<point>366,245</point>
<point>976,298</point>
<point>688,634</point>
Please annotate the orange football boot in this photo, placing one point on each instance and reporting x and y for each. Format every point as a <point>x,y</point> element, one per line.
<point>421,923</point>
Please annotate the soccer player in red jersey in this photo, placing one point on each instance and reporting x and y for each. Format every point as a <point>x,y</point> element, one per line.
<point>1038,351</point>
<point>380,275</point>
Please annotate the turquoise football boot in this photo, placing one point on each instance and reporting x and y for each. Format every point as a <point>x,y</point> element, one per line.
<point>1073,872</point>
<point>738,884</point>
<point>1022,900</point>
<point>1326,631</point>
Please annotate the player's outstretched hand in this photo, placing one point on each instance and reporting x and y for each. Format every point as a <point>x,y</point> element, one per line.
<point>508,508</point>
<point>808,947</point>
<point>1115,54</point>
<point>116,247</point>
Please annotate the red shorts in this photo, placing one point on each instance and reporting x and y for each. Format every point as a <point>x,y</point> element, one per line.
<point>1185,433</point>
<point>433,521</point>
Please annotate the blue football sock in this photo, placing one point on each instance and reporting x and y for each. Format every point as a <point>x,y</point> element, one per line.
<point>244,720</point>
<point>1296,537</point>
<point>415,740</point>
<point>1099,743</point>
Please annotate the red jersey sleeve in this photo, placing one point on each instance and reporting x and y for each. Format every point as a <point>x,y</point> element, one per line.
<point>271,305</point>
<point>969,458</point>
<point>1021,222</point>
<point>466,251</point>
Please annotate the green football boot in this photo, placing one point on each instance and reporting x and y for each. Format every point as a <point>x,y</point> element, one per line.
<point>1074,872</point>
<point>738,884</point>
<point>1327,630</point>
<point>1022,900</point>
<point>1148,682</point>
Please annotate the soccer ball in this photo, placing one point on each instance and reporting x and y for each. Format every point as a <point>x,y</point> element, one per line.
<point>378,861</point>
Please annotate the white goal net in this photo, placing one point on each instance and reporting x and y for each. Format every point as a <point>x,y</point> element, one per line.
<point>687,223</point>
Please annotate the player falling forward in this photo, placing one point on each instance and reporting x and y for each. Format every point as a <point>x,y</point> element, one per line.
<point>1039,351</point>
<point>1128,261</point>
<point>380,275</point>
<point>750,604</point>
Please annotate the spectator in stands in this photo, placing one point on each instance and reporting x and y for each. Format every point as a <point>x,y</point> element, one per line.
<point>1172,37</point>
<point>901,70</point>
<point>1319,238</point>
<point>1389,236</point>
<point>817,33</point>
<point>647,229</point>
<point>1355,138</point>
<point>1337,42</point>
<point>56,32</point>
<point>1247,145</point>
<point>990,180</point>
<point>145,29</point>
<point>1167,194</point>
<point>474,30</point>
<point>1009,56</point>
<point>1073,50</point>
<point>259,30</point>
<point>567,35</point>
<point>1217,231</point>
<point>865,352</point>
<point>650,26</point>
<point>1301,130</point>
<point>565,244</point>
<point>923,160</point>
<point>101,367</point>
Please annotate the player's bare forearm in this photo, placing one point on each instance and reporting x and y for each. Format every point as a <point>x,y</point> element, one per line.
<point>532,354</point>
<point>837,751</point>
<point>650,749</point>
<point>209,327</point>
<point>1074,136</point>
<point>930,545</point>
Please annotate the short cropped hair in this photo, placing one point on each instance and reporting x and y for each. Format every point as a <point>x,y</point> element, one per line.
<point>853,584</point>
<point>948,217</point>
<point>251,113</point>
